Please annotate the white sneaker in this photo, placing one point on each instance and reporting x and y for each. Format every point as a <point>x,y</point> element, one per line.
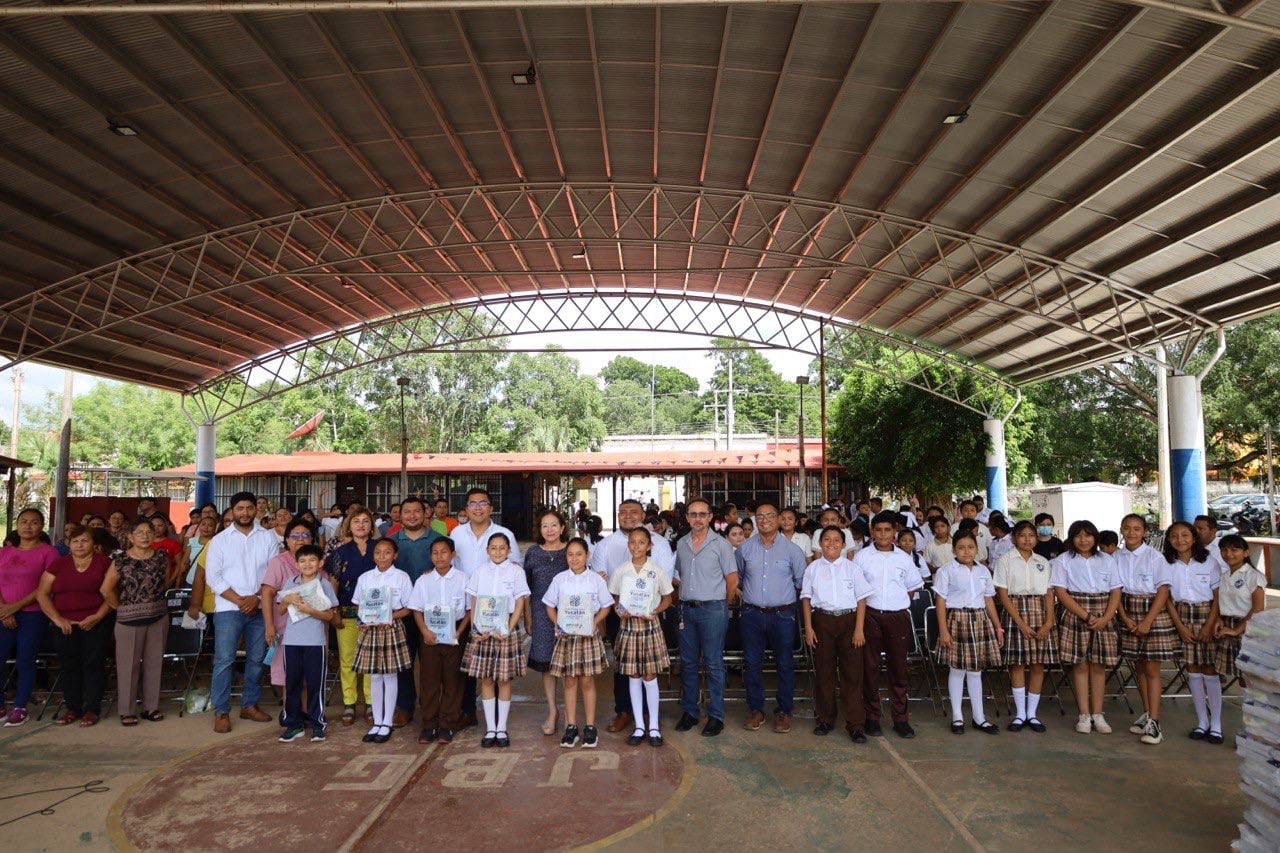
<point>1100,725</point>
<point>1154,733</point>
<point>1084,724</point>
<point>1140,725</point>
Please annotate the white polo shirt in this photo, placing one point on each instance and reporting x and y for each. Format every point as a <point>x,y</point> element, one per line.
<point>1143,570</point>
<point>837,585</point>
<point>1075,573</point>
<point>891,575</point>
<point>963,587</point>
<point>611,552</point>
<point>470,551</point>
<point>490,579</point>
<point>1235,590</point>
<point>1194,582</point>
<point>587,584</point>
<point>1022,577</point>
<point>433,589</point>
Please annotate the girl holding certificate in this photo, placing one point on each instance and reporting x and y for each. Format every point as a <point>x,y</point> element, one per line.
<point>496,594</point>
<point>577,601</point>
<point>382,600</point>
<point>642,590</point>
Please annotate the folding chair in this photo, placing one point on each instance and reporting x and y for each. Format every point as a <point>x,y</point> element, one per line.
<point>182,646</point>
<point>48,662</point>
<point>1124,675</point>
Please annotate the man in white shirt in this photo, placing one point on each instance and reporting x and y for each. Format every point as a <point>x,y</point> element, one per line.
<point>607,555</point>
<point>234,567</point>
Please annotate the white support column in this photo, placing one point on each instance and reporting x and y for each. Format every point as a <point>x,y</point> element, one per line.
<point>997,479</point>
<point>1186,440</point>
<point>1163,485</point>
<point>206,447</point>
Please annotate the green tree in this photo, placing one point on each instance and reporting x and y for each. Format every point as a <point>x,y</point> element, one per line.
<point>545,404</point>
<point>676,405</point>
<point>759,390</point>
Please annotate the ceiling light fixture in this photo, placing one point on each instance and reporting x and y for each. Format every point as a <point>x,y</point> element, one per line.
<point>525,78</point>
<point>121,129</point>
<point>956,118</point>
<point>580,254</point>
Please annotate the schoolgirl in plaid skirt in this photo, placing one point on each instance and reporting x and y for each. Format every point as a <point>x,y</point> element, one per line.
<point>1148,636</point>
<point>493,656</point>
<point>1196,575</point>
<point>381,597</point>
<point>641,650</point>
<point>1087,584</point>
<point>1021,578</point>
<point>1241,593</point>
<point>969,631</point>
<point>578,658</point>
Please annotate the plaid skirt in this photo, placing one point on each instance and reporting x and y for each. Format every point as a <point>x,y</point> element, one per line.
<point>1226,650</point>
<point>382,649</point>
<point>498,658</point>
<point>1020,651</point>
<point>575,655</point>
<point>974,646</point>
<point>1077,644</point>
<point>1161,643</point>
<point>641,648</point>
<point>1193,617</point>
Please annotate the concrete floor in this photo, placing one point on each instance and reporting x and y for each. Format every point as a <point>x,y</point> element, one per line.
<point>171,785</point>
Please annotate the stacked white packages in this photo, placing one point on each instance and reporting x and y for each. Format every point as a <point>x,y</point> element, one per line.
<point>1258,745</point>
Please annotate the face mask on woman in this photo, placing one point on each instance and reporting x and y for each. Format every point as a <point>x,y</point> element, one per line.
<point>1045,530</point>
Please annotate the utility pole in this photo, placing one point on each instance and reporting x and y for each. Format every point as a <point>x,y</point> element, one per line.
<point>402,381</point>
<point>728,412</point>
<point>653,407</point>
<point>1271,510</point>
<point>802,381</point>
<point>715,413</point>
<point>60,488</point>
<point>777,429</point>
<point>17,411</point>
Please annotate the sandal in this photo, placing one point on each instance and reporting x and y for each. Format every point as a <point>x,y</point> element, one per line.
<point>152,716</point>
<point>67,718</point>
<point>129,720</point>
<point>348,715</point>
<point>89,719</point>
<point>551,728</point>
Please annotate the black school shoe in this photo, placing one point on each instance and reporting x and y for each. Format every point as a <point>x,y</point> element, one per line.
<point>987,728</point>
<point>1017,724</point>
<point>502,741</point>
<point>687,721</point>
<point>1214,738</point>
<point>873,728</point>
<point>489,739</point>
<point>427,736</point>
<point>1036,726</point>
<point>655,739</point>
<point>957,727</point>
<point>635,738</point>
<point>904,731</point>
<point>444,735</point>
<point>1197,733</point>
<point>713,727</point>
<point>822,729</point>
<point>857,736</point>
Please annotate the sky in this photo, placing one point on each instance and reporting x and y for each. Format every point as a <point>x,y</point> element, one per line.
<point>40,379</point>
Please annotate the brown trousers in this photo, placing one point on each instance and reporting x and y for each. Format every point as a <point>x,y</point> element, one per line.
<point>140,652</point>
<point>440,681</point>
<point>887,631</point>
<point>835,650</point>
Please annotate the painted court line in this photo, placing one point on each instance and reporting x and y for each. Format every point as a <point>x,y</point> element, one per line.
<point>933,798</point>
<point>393,794</point>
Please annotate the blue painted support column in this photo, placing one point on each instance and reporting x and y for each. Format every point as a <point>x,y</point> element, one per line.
<point>206,445</point>
<point>997,480</point>
<point>1186,447</point>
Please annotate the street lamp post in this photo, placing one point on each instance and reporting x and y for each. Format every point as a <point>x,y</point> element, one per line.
<point>403,381</point>
<point>802,381</point>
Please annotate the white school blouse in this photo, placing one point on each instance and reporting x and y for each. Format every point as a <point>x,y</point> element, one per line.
<point>491,579</point>
<point>891,575</point>
<point>1194,582</point>
<point>1022,577</point>
<point>1235,590</point>
<point>588,584</point>
<point>962,587</point>
<point>434,589</point>
<point>659,580</point>
<point>1143,570</point>
<point>801,541</point>
<point>938,554</point>
<point>834,585</point>
<point>1074,573</point>
<point>394,582</point>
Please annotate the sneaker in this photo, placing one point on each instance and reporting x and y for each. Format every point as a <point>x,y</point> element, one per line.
<point>1084,724</point>
<point>590,737</point>
<point>1154,734</point>
<point>822,729</point>
<point>291,734</point>
<point>16,717</point>
<point>1100,725</point>
<point>857,735</point>
<point>444,735</point>
<point>318,736</point>
<point>1141,724</point>
<point>570,739</point>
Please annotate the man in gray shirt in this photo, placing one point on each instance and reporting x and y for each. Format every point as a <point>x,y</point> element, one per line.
<point>708,582</point>
<point>772,570</point>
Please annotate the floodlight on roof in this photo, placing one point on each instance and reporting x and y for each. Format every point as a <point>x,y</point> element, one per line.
<point>579,254</point>
<point>956,118</point>
<point>121,129</point>
<point>526,77</point>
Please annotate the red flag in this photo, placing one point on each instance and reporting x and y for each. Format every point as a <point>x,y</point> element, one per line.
<point>309,427</point>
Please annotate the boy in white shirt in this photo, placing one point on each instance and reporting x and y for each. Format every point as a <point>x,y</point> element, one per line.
<point>437,594</point>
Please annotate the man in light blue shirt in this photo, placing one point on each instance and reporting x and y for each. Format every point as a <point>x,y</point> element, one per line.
<point>771,571</point>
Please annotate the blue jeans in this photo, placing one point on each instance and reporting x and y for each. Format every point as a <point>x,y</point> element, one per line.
<point>26,638</point>
<point>229,626</point>
<point>702,632</point>
<point>778,632</point>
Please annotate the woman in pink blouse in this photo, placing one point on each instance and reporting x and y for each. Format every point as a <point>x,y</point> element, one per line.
<point>21,622</point>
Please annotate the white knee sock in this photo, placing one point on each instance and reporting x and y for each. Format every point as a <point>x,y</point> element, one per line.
<point>651,696</point>
<point>1020,702</point>
<point>1033,702</point>
<point>504,709</point>
<point>385,689</point>
<point>1213,687</point>
<point>1198,698</point>
<point>490,714</point>
<point>637,703</point>
<point>955,692</point>
<point>974,680</point>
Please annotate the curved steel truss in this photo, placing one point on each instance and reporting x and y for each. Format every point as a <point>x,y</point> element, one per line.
<point>446,328</point>
<point>399,253</point>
